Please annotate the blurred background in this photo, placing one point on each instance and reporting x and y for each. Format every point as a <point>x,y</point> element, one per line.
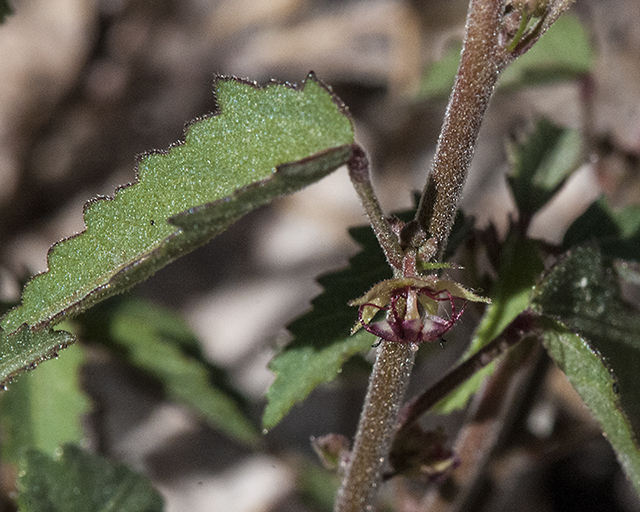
<point>87,85</point>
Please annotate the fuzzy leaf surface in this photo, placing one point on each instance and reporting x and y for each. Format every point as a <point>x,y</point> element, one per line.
<point>159,343</point>
<point>261,143</point>
<point>77,481</point>
<point>597,346</point>
<point>43,410</point>
<point>617,232</point>
<point>25,349</point>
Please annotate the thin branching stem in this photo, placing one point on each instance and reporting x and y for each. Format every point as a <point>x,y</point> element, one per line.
<point>522,326</point>
<point>358,166</point>
<point>490,413</point>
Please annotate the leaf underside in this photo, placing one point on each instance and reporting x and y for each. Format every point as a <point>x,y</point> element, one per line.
<point>597,345</point>
<point>25,349</point>
<point>261,143</point>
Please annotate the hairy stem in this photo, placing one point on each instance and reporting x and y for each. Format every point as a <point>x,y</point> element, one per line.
<point>477,75</point>
<point>474,85</point>
<point>358,166</point>
<point>378,424</point>
<point>484,55</point>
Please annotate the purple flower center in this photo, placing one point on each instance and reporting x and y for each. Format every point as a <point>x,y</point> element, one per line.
<point>412,317</point>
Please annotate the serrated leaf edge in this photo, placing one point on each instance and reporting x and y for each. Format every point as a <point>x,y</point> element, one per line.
<point>101,292</point>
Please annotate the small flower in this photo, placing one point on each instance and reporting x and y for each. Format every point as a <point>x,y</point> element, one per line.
<point>412,308</point>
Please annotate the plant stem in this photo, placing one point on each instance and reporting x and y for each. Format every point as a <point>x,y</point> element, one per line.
<point>484,55</point>
<point>358,166</point>
<point>377,427</point>
<point>491,411</point>
<point>522,326</point>
<point>477,75</point>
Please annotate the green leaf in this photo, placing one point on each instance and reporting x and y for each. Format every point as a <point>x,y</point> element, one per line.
<point>440,76</point>
<point>77,481</point>
<point>617,233</point>
<point>160,344</point>
<point>563,53</point>
<point>520,267</point>
<point>602,361</point>
<point>263,142</point>
<point>321,337</point>
<point>300,369</point>
<point>541,164</point>
<point>25,349</point>
<point>43,410</point>
<point>322,340</point>
<point>590,376</point>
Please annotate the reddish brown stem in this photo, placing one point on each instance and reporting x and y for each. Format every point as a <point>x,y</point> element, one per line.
<point>489,413</point>
<point>476,79</point>
<point>483,57</point>
<point>377,427</point>
<point>523,325</point>
<point>477,75</point>
<point>358,166</point>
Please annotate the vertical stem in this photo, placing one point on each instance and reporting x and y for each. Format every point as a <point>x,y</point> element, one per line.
<point>483,57</point>
<point>477,76</point>
<point>378,424</point>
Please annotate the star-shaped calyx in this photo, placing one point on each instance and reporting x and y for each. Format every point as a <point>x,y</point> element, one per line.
<point>412,308</point>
